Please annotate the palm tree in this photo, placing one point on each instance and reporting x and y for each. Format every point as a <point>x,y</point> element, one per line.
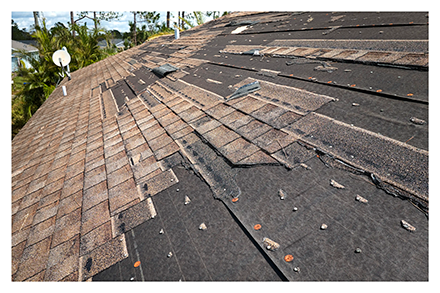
<point>198,16</point>
<point>36,83</point>
<point>86,50</point>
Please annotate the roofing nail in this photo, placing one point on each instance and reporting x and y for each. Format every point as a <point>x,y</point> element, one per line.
<point>296,269</point>
<point>170,254</point>
<point>161,231</point>
<point>257,227</point>
<point>358,250</point>
<point>295,209</point>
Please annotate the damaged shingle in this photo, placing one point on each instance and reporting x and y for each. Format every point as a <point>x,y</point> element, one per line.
<point>164,69</point>
<point>244,90</point>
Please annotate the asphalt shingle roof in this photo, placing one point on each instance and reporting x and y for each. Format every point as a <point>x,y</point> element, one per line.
<point>327,161</point>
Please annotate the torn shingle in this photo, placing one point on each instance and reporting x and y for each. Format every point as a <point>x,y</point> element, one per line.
<point>244,90</point>
<point>165,69</point>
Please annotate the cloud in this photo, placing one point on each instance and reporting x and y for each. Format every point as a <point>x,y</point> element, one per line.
<point>25,19</point>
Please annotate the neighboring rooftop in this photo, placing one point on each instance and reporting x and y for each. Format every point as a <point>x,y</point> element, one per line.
<point>16,45</point>
<point>258,146</point>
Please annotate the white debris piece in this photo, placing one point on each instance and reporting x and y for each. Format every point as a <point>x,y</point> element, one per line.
<point>336,184</point>
<point>407,226</point>
<point>361,199</point>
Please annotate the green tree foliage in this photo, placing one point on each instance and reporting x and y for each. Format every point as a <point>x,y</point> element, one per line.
<point>116,34</point>
<point>33,85</point>
<point>98,16</point>
<point>18,34</point>
<point>150,28</point>
<point>196,18</point>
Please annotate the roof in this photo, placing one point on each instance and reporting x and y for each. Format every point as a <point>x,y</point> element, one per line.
<point>271,146</point>
<point>116,42</point>
<point>16,45</point>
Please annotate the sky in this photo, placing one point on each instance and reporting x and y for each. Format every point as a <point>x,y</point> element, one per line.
<point>21,12</point>
<point>25,19</point>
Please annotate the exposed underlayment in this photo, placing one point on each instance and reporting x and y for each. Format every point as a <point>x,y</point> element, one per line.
<point>258,146</point>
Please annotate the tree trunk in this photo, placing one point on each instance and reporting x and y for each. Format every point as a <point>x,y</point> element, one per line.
<point>135,30</point>
<point>72,22</point>
<point>95,20</point>
<point>178,19</point>
<point>168,19</point>
<point>36,19</point>
<point>183,23</point>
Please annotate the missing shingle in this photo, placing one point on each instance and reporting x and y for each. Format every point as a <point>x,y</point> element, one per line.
<point>88,265</point>
<point>121,228</point>
<point>241,23</point>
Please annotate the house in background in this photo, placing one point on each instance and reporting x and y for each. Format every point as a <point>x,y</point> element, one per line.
<point>20,46</point>
<point>119,43</point>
